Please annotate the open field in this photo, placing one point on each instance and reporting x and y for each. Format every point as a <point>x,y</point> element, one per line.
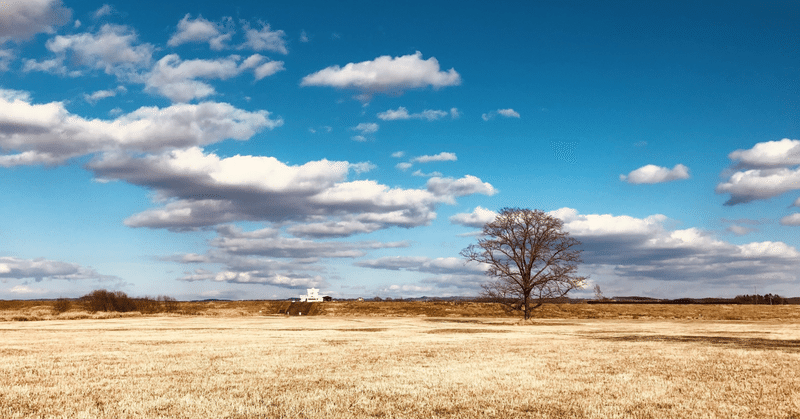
<point>31,310</point>
<point>411,367</point>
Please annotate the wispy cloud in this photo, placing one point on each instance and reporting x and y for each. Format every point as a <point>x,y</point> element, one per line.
<point>507,113</point>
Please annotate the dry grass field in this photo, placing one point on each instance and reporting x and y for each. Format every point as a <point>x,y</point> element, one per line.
<point>249,366</point>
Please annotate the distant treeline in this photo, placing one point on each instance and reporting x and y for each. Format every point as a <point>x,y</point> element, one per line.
<point>102,300</point>
<point>766,299</point>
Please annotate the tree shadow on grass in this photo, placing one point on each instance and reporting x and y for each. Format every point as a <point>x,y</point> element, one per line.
<point>744,343</point>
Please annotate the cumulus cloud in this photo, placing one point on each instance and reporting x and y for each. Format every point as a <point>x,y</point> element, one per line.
<point>203,189</point>
<point>264,39</point>
<point>366,128</point>
<point>113,49</point>
<point>507,113</point>
<point>49,134</point>
<point>20,20</point>
<point>768,154</point>
<point>755,184</point>
<point>177,79</point>
<point>449,188</point>
<point>202,30</point>
<point>656,174</point>
<point>385,74</point>
<point>767,170</point>
<point>39,269</point>
<point>401,113</point>
<point>477,218</point>
<point>642,249</point>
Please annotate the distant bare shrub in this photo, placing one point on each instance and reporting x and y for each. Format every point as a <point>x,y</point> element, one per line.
<point>118,301</point>
<point>62,305</point>
<point>169,304</point>
<point>760,299</point>
<point>147,305</point>
<point>103,300</point>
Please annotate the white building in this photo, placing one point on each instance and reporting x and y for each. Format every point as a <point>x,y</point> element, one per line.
<point>312,296</point>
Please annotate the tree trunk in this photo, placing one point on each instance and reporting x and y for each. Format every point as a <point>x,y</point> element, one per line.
<point>526,306</point>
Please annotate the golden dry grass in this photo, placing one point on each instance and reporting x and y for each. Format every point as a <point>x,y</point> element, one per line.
<point>31,310</point>
<point>338,367</point>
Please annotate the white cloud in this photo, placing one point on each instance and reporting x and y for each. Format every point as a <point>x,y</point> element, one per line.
<point>508,113</point>
<point>754,184</point>
<point>177,79</point>
<point>420,173</point>
<point>264,39</point>
<point>201,30</point>
<point>267,257</point>
<point>449,272</point>
<point>303,37</point>
<point>362,167</point>
<point>385,74</point>
<point>104,10</point>
<point>403,166</point>
<point>740,230</point>
<point>467,185</point>
<point>768,154</point>
<point>203,189</point>
<point>401,113</point>
<point>642,249</point>
<point>477,218</point>
<point>443,156</point>
<point>103,94</point>
<point>36,131</point>
<point>791,220</point>
<point>655,174</point>
<point>767,170</point>
<point>267,69</point>
<point>113,49</point>
<point>448,265</point>
<point>366,127</point>
<point>269,242</point>
<point>39,269</point>
<point>6,56</point>
<point>398,154</point>
<point>21,20</point>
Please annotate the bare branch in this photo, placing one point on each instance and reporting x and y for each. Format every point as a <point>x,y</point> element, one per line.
<point>529,257</point>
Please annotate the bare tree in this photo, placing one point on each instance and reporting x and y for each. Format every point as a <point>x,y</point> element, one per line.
<point>598,293</point>
<point>530,258</point>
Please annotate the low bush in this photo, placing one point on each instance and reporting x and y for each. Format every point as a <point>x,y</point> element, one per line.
<point>103,300</point>
<point>62,305</point>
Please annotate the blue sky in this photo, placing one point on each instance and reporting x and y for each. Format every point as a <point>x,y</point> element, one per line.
<point>249,150</point>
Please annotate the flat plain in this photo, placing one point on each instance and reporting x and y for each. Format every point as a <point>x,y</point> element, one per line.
<point>256,366</point>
